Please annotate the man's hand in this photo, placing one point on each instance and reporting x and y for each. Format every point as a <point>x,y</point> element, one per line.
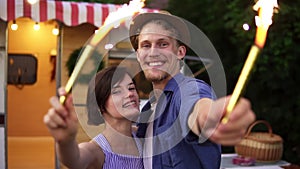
<point>207,115</point>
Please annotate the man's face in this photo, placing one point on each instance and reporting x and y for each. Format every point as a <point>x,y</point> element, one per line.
<point>158,53</point>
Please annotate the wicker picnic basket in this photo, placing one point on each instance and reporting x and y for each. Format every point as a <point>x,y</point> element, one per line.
<point>263,146</point>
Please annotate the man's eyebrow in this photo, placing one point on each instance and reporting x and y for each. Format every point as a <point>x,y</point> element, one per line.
<point>166,38</point>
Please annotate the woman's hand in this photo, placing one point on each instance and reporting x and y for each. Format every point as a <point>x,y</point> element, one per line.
<point>61,120</point>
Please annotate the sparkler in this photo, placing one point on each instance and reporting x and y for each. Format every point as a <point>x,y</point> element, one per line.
<point>265,10</point>
<point>114,19</point>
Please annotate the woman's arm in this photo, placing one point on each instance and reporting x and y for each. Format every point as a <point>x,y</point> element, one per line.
<point>62,123</point>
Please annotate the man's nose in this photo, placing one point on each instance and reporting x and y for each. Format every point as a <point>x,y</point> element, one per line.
<point>154,51</point>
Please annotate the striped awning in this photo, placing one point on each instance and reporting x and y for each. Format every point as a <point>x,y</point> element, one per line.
<point>69,13</point>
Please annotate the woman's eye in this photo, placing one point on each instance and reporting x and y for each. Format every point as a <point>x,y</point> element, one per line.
<point>116,91</point>
<point>131,88</point>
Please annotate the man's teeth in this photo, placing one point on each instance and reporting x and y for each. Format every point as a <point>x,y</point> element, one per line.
<point>155,63</point>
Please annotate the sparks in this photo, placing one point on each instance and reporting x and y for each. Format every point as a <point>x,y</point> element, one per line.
<point>117,17</point>
<point>265,9</point>
<point>126,10</point>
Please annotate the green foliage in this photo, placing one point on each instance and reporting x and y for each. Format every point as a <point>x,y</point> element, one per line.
<point>73,58</point>
<point>71,62</point>
<point>273,86</point>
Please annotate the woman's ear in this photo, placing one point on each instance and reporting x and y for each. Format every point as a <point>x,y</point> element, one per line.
<point>102,110</point>
<point>181,52</point>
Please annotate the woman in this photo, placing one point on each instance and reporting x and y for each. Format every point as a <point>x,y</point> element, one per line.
<point>116,146</point>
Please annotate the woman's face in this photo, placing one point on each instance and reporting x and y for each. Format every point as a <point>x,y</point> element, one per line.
<point>123,101</point>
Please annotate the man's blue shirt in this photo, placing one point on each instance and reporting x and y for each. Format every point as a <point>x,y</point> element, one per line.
<point>174,144</point>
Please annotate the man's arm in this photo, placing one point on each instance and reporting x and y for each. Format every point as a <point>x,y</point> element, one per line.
<point>205,120</point>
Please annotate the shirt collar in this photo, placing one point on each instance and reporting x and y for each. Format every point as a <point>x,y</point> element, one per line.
<point>173,83</point>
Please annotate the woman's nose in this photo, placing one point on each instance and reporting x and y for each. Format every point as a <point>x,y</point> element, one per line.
<point>130,93</point>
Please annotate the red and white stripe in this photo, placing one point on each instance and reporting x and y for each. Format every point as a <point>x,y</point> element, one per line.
<point>70,13</point>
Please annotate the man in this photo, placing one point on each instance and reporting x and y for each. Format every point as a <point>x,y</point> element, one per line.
<point>181,123</point>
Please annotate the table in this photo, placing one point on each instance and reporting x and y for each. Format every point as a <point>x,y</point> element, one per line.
<point>226,163</point>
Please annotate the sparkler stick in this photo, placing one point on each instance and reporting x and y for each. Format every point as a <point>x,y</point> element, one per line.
<point>82,59</point>
<point>126,10</point>
<point>265,10</point>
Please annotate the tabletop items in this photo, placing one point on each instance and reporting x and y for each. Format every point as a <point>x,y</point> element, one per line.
<point>261,146</point>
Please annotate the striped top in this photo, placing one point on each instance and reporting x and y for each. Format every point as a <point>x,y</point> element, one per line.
<point>119,161</point>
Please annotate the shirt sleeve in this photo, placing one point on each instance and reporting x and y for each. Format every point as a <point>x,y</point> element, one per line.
<point>189,92</point>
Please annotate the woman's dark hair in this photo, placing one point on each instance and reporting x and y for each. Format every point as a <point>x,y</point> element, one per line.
<point>100,89</point>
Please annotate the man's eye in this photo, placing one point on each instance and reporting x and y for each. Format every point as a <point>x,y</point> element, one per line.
<point>145,45</point>
<point>163,44</point>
